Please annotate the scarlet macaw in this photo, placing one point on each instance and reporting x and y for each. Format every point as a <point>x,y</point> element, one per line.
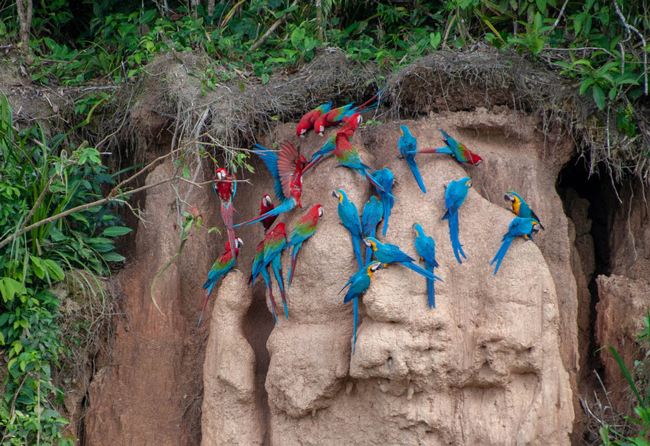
<point>520,207</point>
<point>386,179</point>
<point>337,115</point>
<point>387,253</point>
<point>519,227</point>
<point>307,121</point>
<point>266,206</point>
<point>457,150</point>
<point>426,248</point>
<point>454,197</point>
<point>373,211</point>
<point>286,168</point>
<point>408,148</point>
<point>305,228</point>
<point>225,187</point>
<point>348,129</point>
<point>359,284</point>
<point>350,218</point>
<point>220,268</point>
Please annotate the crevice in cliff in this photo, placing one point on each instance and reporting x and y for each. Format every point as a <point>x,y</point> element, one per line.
<point>258,325</point>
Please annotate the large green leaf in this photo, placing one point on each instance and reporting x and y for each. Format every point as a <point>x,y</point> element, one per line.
<point>116,231</point>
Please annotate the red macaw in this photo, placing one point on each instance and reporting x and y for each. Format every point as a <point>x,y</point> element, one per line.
<point>225,187</point>
<point>348,130</point>
<point>457,150</point>
<point>333,117</point>
<point>266,206</point>
<point>305,228</point>
<point>307,121</point>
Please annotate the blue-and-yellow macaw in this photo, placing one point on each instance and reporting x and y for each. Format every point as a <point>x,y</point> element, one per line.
<point>408,148</point>
<point>457,150</point>
<point>454,198</point>
<point>373,211</point>
<point>350,218</point>
<point>305,228</point>
<point>386,179</point>
<point>426,248</point>
<point>519,227</point>
<point>520,207</point>
<point>359,284</point>
<point>220,268</point>
<point>387,253</point>
<point>286,168</point>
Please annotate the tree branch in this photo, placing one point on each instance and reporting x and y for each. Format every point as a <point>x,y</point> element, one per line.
<point>273,27</point>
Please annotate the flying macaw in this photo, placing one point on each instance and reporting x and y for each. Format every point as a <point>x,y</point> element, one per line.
<point>307,121</point>
<point>359,284</point>
<point>225,187</point>
<point>335,116</point>
<point>348,156</point>
<point>305,228</point>
<point>373,212</point>
<point>408,148</point>
<point>454,197</point>
<point>258,267</point>
<point>519,227</point>
<point>521,208</point>
<point>220,268</point>
<point>267,206</point>
<point>457,150</point>
<point>426,248</point>
<point>387,253</point>
<point>386,179</point>
<point>348,129</point>
<point>286,168</point>
<point>350,218</point>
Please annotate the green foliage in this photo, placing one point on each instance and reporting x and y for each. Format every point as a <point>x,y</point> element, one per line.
<point>40,180</point>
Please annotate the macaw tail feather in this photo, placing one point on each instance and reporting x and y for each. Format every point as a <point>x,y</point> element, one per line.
<point>312,163</point>
<point>416,173</point>
<point>204,305</point>
<point>285,206</point>
<point>388,207</point>
<point>357,250</point>
<point>365,107</point>
<point>294,258</point>
<point>501,253</point>
<point>445,150</point>
<point>455,241</point>
<point>372,181</point>
<point>269,287</point>
<point>355,307</point>
<point>227,211</point>
<point>431,292</point>
<point>418,269</point>
<point>368,256</point>
<point>277,272</point>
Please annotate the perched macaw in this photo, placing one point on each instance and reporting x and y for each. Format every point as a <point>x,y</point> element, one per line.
<point>220,268</point>
<point>348,156</point>
<point>286,168</point>
<point>387,253</point>
<point>267,206</point>
<point>348,130</point>
<point>373,212</point>
<point>225,187</point>
<point>519,227</point>
<point>457,150</point>
<point>258,267</point>
<point>350,218</point>
<point>269,255</point>
<point>386,179</point>
<point>307,121</point>
<point>454,198</point>
<point>305,228</point>
<point>408,148</point>
<point>426,248</point>
<point>520,207</point>
<point>335,116</point>
<point>359,284</point>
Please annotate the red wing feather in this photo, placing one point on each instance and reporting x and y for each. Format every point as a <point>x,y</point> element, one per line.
<point>288,159</point>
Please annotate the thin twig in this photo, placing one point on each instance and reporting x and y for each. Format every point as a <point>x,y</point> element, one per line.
<point>630,28</point>
<point>559,16</point>
<point>270,31</point>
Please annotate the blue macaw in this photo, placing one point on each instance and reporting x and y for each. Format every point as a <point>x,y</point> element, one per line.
<point>373,211</point>
<point>386,179</point>
<point>359,284</point>
<point>520,207</point>
<point>519,227</point>
<point>454,198</point>
<point>387,253</point>
<point>350,219</point>
<point>408,148</point>
<point>426,248</point>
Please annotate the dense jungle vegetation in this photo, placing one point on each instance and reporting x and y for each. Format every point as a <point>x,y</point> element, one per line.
<point>55,224</point>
